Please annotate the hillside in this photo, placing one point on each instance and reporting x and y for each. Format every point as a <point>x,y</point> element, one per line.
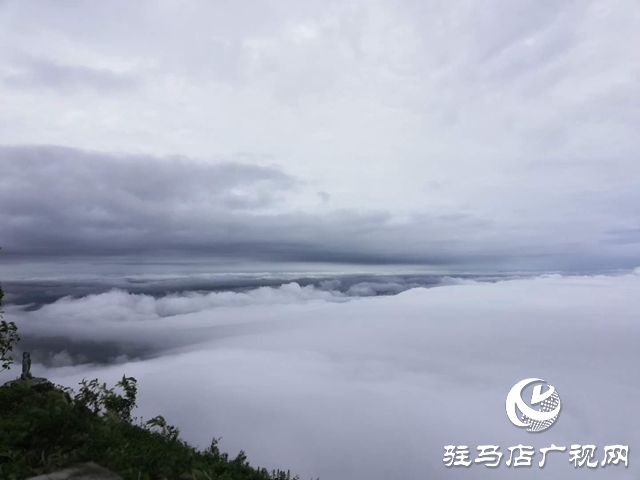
<point>44,427</point>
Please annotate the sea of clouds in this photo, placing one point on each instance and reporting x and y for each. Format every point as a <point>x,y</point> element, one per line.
<point>343,383</point>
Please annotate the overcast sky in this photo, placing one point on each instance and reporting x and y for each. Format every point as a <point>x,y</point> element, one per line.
<point>449,134</point>
<point>150,148</point>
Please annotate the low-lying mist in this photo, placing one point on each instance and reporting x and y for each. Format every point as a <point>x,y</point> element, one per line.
<point>360,379</point>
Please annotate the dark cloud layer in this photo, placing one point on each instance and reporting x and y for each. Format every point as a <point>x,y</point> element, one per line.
<point>66,203</point>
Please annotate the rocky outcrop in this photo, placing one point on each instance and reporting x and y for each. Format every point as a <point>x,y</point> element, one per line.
<point>31,382</point>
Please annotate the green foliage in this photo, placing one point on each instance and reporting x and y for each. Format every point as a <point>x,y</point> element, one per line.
<point>104,401</point>
<point>44,428</point>
<point>8,338</point>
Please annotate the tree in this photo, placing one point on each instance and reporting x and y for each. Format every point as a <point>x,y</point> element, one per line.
<point>8,338</point>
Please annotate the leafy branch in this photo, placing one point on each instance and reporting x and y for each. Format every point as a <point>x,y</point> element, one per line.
<point>8,338</point>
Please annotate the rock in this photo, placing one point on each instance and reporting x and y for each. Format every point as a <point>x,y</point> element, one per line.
<point>39,385</point>
<point>86,471</point>
<point>32,382</point>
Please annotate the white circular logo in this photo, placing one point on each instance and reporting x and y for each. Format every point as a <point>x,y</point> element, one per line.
<point>535,420</point>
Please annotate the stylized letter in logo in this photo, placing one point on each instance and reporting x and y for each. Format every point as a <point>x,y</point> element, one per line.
<point>535,420</point>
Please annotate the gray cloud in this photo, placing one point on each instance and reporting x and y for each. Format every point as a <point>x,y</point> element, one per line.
<point>62,202</point>
<point>404,113</point>
<point>38,72</point>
